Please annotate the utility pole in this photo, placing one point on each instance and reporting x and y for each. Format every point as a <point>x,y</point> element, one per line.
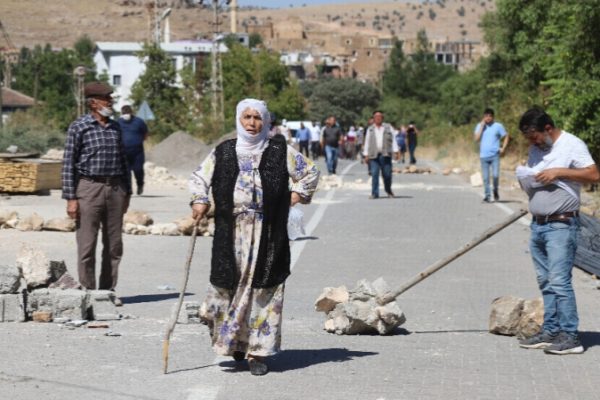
<point>79,74</point>
<point>216,74</point>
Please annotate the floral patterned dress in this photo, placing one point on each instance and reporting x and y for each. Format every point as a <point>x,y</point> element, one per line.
<point>248,319</point>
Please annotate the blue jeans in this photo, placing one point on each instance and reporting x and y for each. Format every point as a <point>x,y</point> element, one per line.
<point>331,153</point>
<point>486,163</point>
<point>411,151</point>
<point>135,163</point>
<point>553,247</point>
<point>385,165</point>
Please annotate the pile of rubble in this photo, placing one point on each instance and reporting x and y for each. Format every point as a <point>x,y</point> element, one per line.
<point>512,316</point>
<point>34,222</point>
<point>357,311</point>
<point>159,176</point>
<point>412,169</point>
<point>42,290</point>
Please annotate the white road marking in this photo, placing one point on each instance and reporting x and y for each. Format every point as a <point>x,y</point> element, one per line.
<point>298,246</point>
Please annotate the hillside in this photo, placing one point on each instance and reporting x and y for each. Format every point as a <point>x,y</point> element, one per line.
<point>61,22</point>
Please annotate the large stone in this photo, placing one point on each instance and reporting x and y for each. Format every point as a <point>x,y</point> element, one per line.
<point>330,298</point>
<point>505,315</point>
<point>12,308</point>
<point>476,179</point>
<point>60,224</point>
<point>532,317</point>
<point>137,218</point>
<point>185,225</point>
<point>31,223</point>
<point>364,291</point>
<point>101,305</point>
<point>34,266</point>
<point>69,303</point>
<point>10,279</point>
<point>133,229</point>
<point>8,218</point>
<point>168,229</point>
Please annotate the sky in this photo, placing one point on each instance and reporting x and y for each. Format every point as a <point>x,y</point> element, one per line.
<point>296,3</point>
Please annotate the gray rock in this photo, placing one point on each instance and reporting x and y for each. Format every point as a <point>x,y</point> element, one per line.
<point>60,225</point>
<point>66,281</point>
<point>34,266</point>
<point>505,315</point>
<point>69,303</point>
<point>364,290</point>
<point>10,279</point>
<point>380,286</point>
<point>101,305</point>
<point>12,308</point>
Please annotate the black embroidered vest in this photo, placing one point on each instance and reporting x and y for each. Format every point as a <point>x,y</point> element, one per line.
<point>273,257</point>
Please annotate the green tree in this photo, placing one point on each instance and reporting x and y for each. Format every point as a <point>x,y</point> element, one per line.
<point>157,86</point>
<point>255,40</point>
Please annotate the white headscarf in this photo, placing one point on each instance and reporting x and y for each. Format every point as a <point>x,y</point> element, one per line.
<point>247,142</point>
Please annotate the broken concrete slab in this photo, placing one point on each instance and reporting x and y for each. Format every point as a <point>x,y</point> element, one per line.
<point>69,303</point>
<point>505,315</point>
<point>34,266</point>
<point>12,308</point>
<point>60,225</point>
<point>101,305</point>
<point>10,279</point>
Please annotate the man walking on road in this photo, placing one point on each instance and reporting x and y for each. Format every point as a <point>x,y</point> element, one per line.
<point>379,148</point>
<point>96,187</point>
<point>135,132</point>
<point>489,133</point>
<point>330,141</point>
<point>558,164</point>
<point>315,140</point>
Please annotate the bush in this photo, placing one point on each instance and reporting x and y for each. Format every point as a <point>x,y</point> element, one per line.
<point>26,131</point>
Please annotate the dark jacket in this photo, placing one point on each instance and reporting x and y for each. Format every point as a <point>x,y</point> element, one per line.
<point>273,257</point>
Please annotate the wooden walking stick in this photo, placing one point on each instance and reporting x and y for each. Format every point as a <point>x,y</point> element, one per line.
<point>391,296</point>
<point>175,313</point>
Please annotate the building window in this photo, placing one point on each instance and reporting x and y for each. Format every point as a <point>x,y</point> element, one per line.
<point>116,80</point>
<point>448,58</point>
<point>369,53</point>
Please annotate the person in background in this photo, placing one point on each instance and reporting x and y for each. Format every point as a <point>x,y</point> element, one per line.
<point>401,140</point>
<point>285,131</point>
<point>360,139</point>
<point>331,140</point>
<point>411,139</point>
<point>489,133</point>
<point>315,140</point>
<point>379,149</point>
<point>254,181</point>
<point>97,188</point>
<point>557,165</point>
<point>303,138</point>
<point>351,143</point>
<point>135,132</point>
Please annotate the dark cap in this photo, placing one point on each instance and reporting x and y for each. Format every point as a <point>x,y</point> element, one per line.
<point>97,89</point>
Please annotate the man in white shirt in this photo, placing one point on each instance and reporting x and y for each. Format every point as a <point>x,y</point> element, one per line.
<point>378,150</point>
<point>285,130</point>
<point>558,164</point>
<point>315,140</point>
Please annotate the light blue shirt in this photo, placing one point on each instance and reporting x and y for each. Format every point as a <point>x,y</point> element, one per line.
<point>490,139</point>
<point>303,134</point>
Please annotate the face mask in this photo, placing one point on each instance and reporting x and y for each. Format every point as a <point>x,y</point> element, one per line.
<point>106,111</point>
<point>126,117</point>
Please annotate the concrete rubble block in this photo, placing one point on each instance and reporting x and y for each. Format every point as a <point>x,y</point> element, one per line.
<point>10,279</point>
<point>505,315</point>
<point>101,305</point>
<point>189,312</point>
<point>133,229</point>
<point>532,317</point>
<point>137,218</point>
<point>364,290</point>
<point>476,179</point>
<point>66,281</point>
<point>330,298</point>
<point>31,223</point>
<point>380,286</point>
<point>185,225</point>
<point>34,266</point>
<point>60,225</point>
<point>8,218</point>
<point>12,307</point>
<point>390,317</point>
<point>69,303</point>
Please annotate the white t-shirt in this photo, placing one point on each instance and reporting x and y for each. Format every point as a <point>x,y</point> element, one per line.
<point>315,134</point>
<point>567,152</point>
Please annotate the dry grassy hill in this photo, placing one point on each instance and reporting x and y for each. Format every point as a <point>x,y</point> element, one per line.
<point>61,22</point>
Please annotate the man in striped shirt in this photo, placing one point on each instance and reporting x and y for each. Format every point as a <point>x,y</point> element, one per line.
<point>96,187</point>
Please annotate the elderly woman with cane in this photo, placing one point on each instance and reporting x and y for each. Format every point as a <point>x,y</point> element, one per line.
<point>252,192</point>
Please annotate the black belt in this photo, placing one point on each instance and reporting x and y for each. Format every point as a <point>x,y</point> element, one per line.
<point>562,217</point>
<point>102,179</point>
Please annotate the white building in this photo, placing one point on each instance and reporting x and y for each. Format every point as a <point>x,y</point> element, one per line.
<point>120,62</point>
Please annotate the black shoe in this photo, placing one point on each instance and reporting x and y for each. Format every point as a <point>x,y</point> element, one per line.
<point>140,190</point>
<point>257,367</point>
<point>487,200</point>
<point>565,344</point>
<point>239,356</point>
<point>540,340</point>
<point>496,195</point>
<point>390,195</point>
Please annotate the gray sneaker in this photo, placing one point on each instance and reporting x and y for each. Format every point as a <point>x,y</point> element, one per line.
<point>540,340</point>
<point>565,344</point>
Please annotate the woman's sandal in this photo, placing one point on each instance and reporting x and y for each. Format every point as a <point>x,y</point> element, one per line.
<point>257,367</point>
<point>239,356</point>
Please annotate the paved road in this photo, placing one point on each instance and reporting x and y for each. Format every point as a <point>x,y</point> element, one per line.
<point>444,350</point>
